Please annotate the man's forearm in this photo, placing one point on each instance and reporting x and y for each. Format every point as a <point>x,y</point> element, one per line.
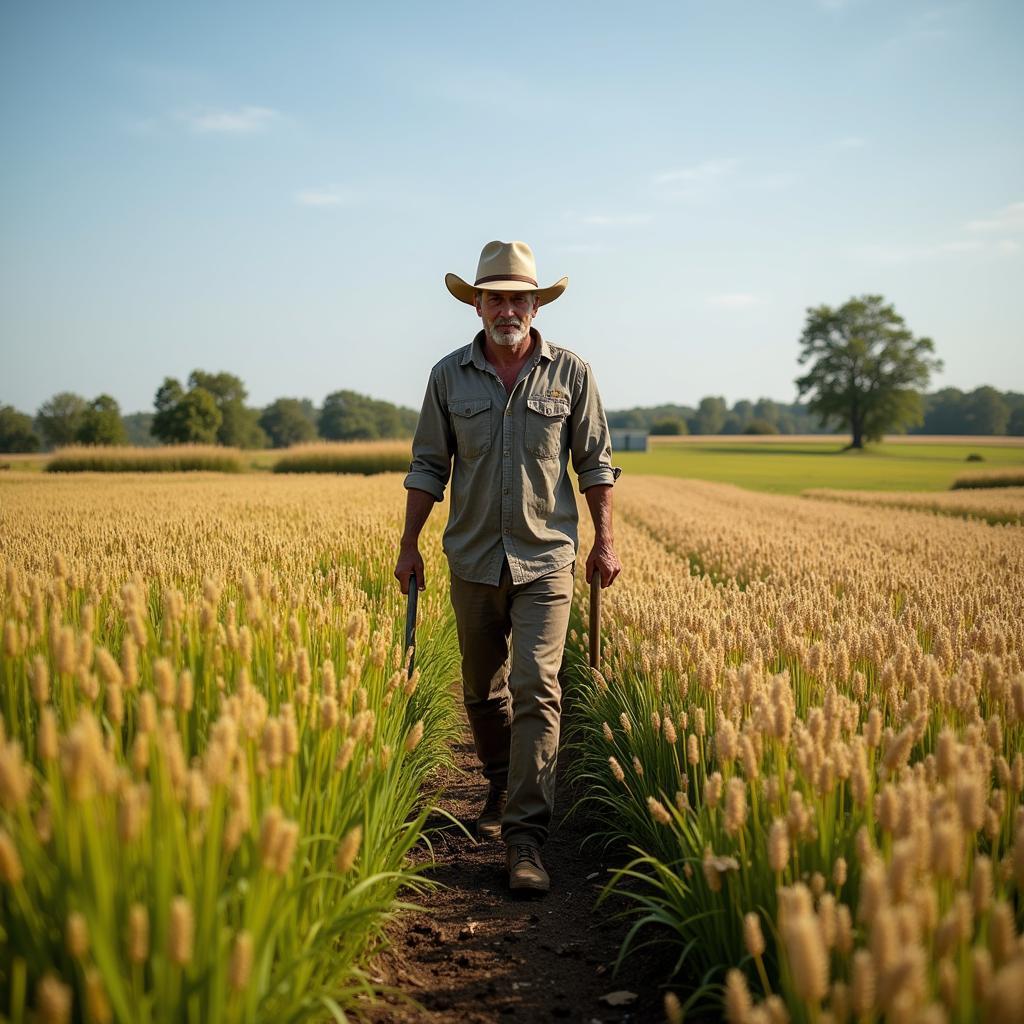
<point>599,500</point>
<point>417,508</point>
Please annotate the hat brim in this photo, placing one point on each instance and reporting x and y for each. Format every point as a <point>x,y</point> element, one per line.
<point>466,292</point>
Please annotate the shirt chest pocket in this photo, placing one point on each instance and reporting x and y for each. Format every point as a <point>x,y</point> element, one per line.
<point>544,419</point>
<point>471,421</point>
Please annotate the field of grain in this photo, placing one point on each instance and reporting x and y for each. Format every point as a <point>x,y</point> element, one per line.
<point>211,755</point>
<point>809,727</point>
<point>366,457</point>
<point>175,458</point>
<point>806,733</point>
<point>996,505</point>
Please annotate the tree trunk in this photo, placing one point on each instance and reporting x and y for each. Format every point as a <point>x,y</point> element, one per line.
<point>857,428</point>
<point>858,436</point>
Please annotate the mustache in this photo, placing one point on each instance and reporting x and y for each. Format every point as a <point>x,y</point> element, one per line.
<point>508,321</point>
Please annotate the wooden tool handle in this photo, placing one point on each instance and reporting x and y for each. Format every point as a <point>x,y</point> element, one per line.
<point>595,619</point>
<point>410,619</point>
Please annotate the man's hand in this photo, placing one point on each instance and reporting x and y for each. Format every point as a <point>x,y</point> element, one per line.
<point>603,559</point>
<point>410,564</point>
<point>417,507</point>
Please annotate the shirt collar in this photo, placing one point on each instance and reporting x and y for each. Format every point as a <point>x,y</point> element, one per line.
<point>474,352</point>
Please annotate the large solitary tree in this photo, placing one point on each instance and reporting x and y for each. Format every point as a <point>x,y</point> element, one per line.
<point>867,369</point>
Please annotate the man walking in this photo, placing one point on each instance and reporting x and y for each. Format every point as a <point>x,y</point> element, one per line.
<point>502,417</point>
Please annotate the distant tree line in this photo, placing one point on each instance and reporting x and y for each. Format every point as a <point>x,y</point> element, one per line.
<point>983,411</point>
<point>866,373</point>
<point>64,419</point>
<point>210,408</point>
<point>712,415</point>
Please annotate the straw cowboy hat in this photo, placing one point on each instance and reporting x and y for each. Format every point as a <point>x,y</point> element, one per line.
<point>504,267</point>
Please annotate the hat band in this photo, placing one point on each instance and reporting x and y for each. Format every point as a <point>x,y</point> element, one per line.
<point>506,277</point>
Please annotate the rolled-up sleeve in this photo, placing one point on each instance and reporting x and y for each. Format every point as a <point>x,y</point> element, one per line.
<point>431,464</point>
<point>590,440</point>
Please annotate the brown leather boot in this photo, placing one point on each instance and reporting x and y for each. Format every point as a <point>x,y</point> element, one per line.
<point>526,873</point>
<point>488,825</point>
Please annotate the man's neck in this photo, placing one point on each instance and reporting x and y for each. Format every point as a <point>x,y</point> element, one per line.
<point>507,356</point>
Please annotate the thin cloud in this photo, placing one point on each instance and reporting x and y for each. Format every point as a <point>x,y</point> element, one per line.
<point>698,180</point>
<point>243,121</point>
<point>732,300</point>
<point>708,170</point>
<point>332,195</point>
<point>1009,219</point>
<point>850,142</point>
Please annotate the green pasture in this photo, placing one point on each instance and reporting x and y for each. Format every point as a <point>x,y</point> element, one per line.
<point>785,467</point>
<point>791,467</point>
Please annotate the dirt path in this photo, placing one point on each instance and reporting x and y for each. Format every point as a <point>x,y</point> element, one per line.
<point>479,956</point>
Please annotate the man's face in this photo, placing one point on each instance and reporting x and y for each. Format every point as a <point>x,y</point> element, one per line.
<point>507,315</point>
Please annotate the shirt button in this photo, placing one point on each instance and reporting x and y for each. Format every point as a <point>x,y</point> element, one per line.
<point>507,530</point>
<point>467,410</point>
<point>506,451</point>
<point>505,491</point>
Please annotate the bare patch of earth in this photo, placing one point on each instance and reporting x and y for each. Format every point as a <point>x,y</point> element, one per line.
<point>477,955</point>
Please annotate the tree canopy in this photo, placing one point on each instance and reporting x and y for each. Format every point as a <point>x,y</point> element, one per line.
<point>710,416</point>
<point>866,369</point>
<point>239,425</point>
<point>59,418</point>
<point>349,416</point>
<point>185,417</point>
<point>16,433</point>
<point>288,421</point>
<point>67,418</point>
<point>101,423</point>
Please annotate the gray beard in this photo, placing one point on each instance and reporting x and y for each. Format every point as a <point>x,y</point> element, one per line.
<point>507,340</point>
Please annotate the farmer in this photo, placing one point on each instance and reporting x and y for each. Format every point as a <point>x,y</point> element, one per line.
<point>502,416</point>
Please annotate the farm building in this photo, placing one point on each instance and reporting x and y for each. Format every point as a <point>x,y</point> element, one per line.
<point>627,440</point>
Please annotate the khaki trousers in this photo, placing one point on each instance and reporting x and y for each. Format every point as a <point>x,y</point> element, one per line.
<point>512,691</point>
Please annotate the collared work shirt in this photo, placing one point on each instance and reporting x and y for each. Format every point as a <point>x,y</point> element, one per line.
<point>507,456</point>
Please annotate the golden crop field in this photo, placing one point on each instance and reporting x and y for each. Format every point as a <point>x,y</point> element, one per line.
<point>211,755</point>
<point>807,728</point>
<point>994,505</point>
<point>809,724</point>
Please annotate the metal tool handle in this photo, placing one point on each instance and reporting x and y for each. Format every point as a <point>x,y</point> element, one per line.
<point>595,619</point>
<point>410,619</point>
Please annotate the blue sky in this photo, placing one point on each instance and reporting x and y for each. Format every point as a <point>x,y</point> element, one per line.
<point>278,190</point>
